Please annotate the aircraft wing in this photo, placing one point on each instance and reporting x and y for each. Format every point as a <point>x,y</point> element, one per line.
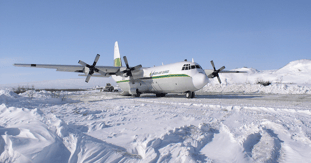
<point>70,68</point>
<point>209,72</point>
<point>224,71</point>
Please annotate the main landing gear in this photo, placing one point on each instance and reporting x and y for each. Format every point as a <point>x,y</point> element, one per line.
<point>137,93</point>
<point>190,94</point>
<point>160,94</point>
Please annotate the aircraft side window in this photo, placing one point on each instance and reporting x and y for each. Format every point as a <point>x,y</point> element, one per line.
<point>192,66</point>
<point>197,66</point>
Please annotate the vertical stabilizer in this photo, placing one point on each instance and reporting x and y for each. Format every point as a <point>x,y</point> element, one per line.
<point>117,57</point>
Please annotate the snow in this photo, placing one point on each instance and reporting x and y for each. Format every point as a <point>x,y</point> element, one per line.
<point>237,121</point>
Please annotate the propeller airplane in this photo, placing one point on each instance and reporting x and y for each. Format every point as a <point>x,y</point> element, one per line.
<point>181,77</point>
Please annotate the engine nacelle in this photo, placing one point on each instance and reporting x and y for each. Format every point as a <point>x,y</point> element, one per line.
<point>125,75</point>
<point>86,70</point>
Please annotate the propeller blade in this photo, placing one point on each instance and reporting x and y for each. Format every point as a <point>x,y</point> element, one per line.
<point>129,73</point>
<point>96,59</point>
<point>212,62</point>
<point>88,78</point>
<point>126,63</point>
<point>223,67</point>
<point>215,73</point>
<point>83,63</point>
<point>92,68</point>
<point>136,67</point>
<point>218,79</point>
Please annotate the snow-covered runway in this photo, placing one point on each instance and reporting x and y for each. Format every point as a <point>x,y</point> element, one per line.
<point>105,127</point>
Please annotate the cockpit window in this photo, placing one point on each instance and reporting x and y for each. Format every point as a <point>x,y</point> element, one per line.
<point>188,67</point>
<point>198,66</point>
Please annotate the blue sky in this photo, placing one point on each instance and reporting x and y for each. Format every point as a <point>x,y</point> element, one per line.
<point>261,34</point>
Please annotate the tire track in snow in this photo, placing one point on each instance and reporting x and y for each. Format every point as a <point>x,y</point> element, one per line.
<point>250,142</point>
<point>264,146</point>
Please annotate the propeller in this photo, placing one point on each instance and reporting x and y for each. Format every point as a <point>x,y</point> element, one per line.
<point>216,72</point>
<point>128,70</point>
<point>92,68</point>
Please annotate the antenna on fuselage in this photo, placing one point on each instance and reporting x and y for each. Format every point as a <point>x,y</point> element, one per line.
<point>192,60</point>
<point>185,60</point>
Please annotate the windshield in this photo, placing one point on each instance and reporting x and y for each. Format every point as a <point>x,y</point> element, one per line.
<point>188,67</point>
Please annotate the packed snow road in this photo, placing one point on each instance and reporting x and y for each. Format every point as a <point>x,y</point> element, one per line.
<point>105,127</point>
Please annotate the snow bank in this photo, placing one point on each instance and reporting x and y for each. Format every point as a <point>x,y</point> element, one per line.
<point>7,95</point>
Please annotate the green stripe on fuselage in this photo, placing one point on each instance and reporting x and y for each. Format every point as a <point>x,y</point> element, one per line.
<point>170,76</point>
<point>117,62</point>
<point>161,77</point>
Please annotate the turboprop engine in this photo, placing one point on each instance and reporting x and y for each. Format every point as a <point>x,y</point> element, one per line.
<point>90,69</point>
<point>86,70</point>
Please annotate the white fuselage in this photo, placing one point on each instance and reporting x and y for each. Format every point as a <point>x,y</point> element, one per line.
<point>172,78</point>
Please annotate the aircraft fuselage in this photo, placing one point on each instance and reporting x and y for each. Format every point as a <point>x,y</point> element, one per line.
<point>171,78</point>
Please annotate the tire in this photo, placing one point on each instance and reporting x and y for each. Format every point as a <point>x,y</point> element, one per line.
<point>192,95</point>
<point>188,94</point>
<point>137,93</point>
<point>160,94</point>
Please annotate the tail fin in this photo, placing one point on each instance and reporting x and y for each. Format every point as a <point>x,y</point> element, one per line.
<point>117,57</point>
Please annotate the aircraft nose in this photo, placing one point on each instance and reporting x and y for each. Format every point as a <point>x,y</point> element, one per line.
<point>199,80</point>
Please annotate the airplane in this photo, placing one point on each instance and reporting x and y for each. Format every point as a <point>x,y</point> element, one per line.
<point>181,77</point>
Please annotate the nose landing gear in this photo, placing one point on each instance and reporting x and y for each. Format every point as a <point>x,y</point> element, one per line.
<point>190,94</point>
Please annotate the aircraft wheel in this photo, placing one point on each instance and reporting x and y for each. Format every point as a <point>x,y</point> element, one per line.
<point>192,95</point>
<point>188,94</point>
<point>160,94</point>
<point>137,93</point>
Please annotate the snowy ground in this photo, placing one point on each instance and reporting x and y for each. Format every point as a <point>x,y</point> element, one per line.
<point>237,121</point>
<point>105,127</point>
